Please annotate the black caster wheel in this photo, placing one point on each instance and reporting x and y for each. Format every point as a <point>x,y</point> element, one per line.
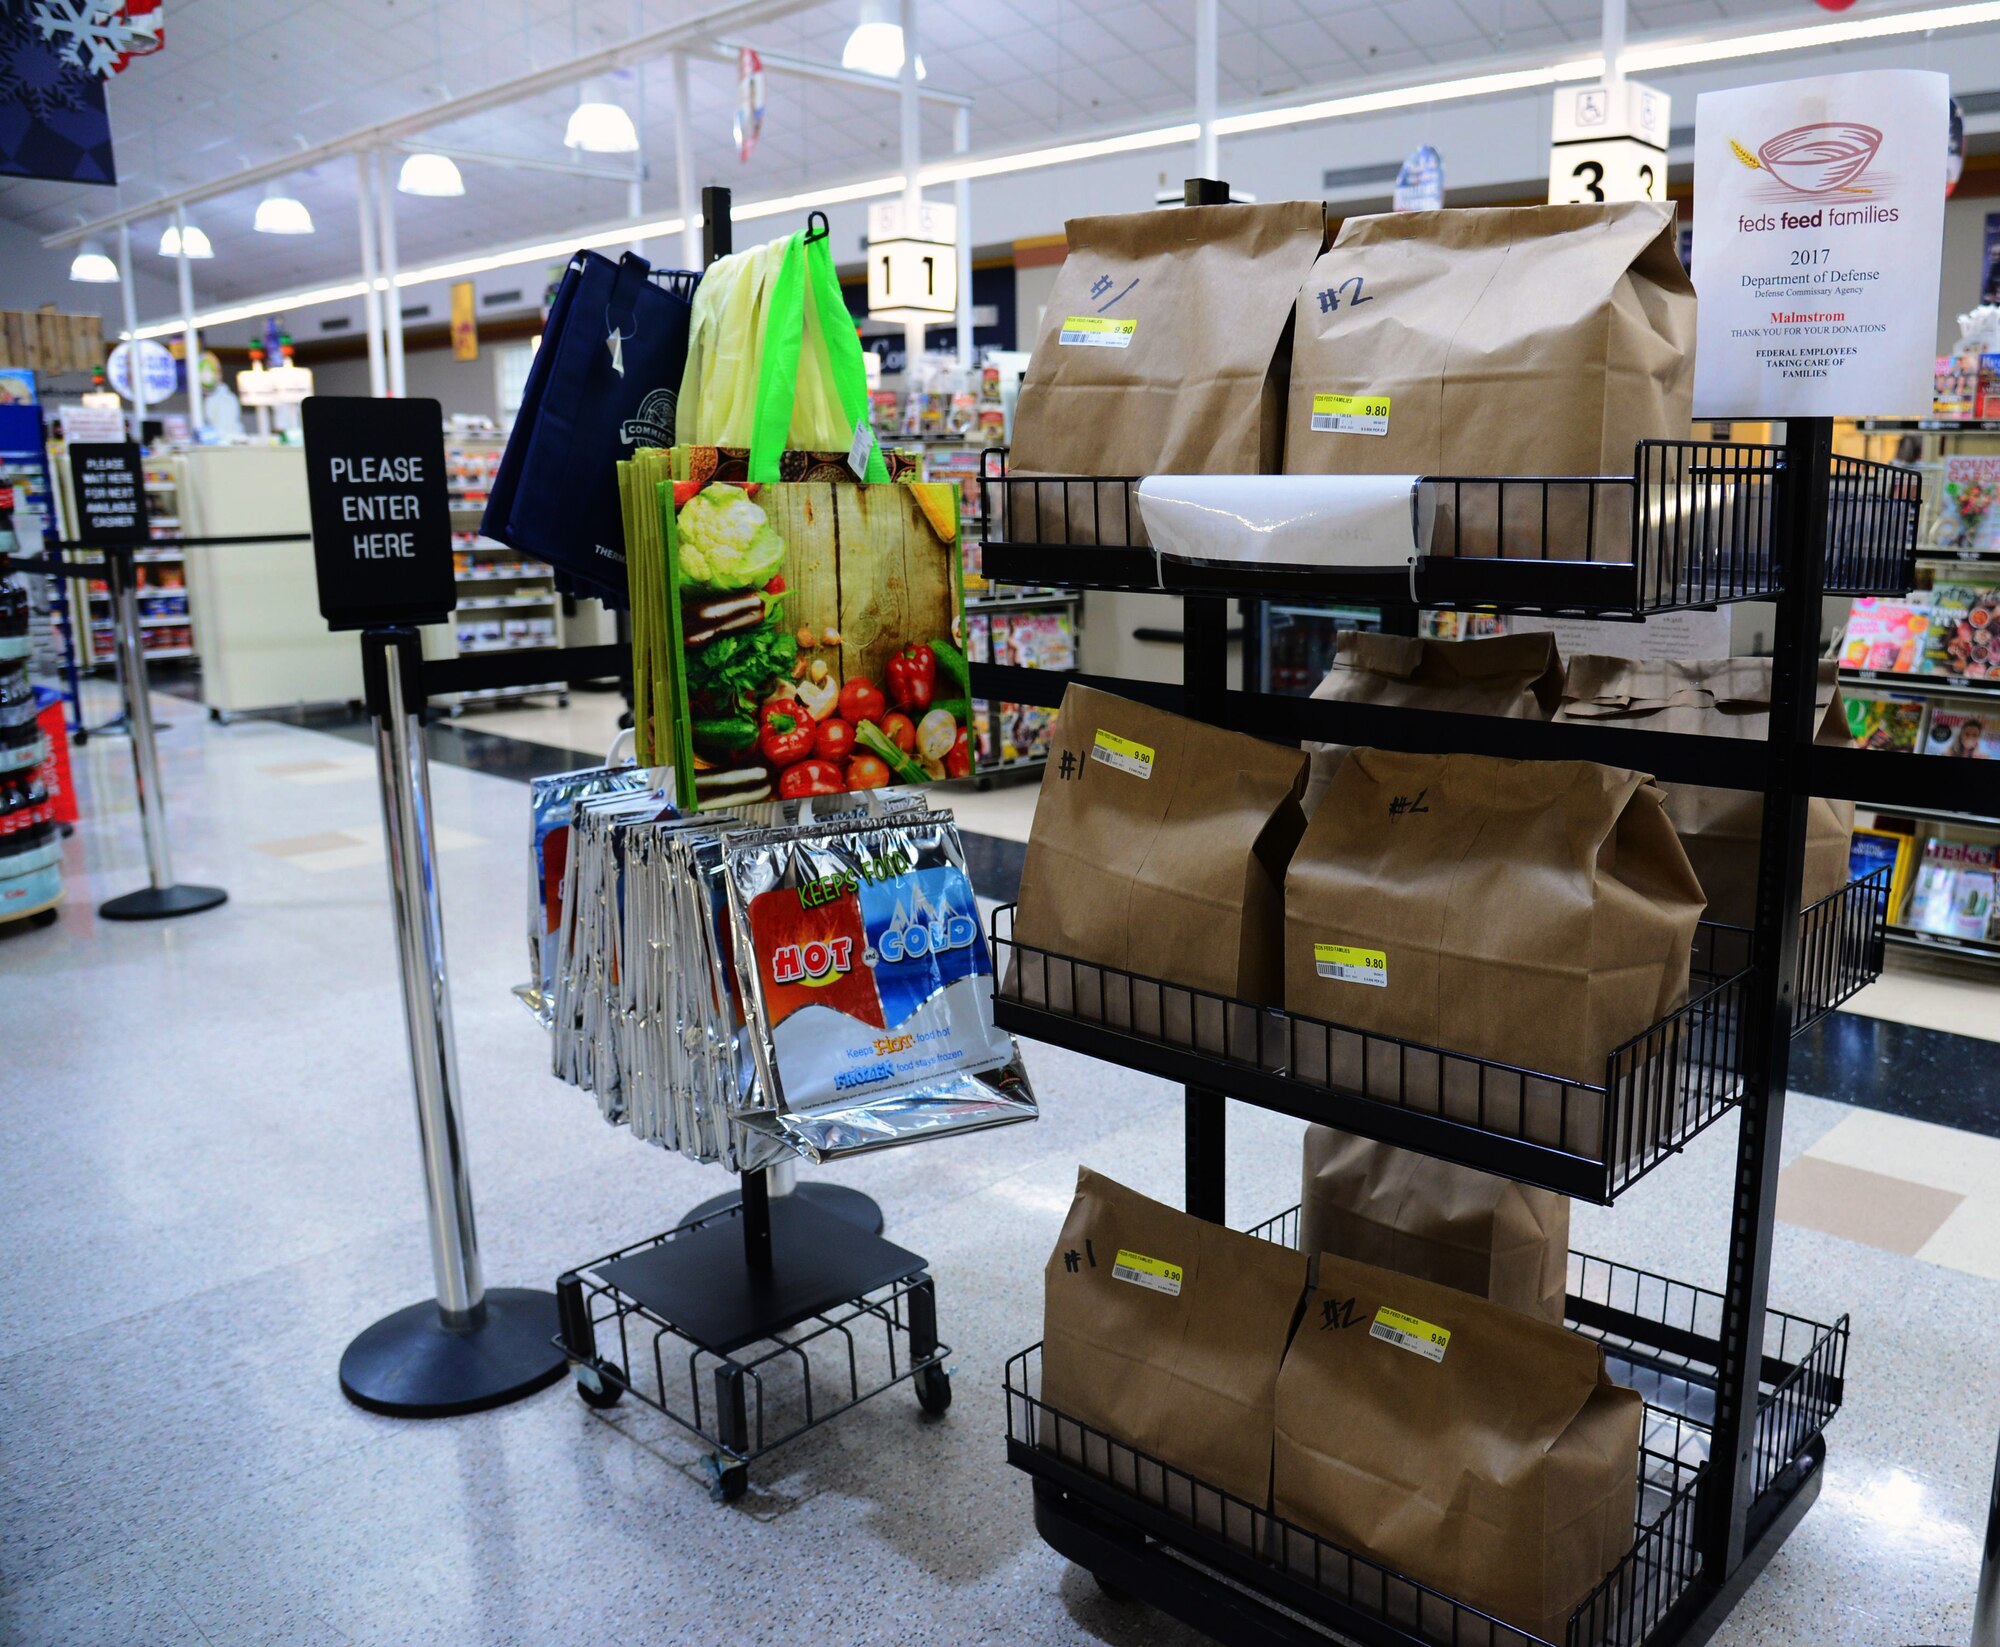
<point>933,1389</point>
<point>563,701</point>
<point>596,1388</point>
<point>731,1483</point>
<point>1108,1590</point>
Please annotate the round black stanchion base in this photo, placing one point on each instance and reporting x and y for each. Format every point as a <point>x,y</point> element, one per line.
<point>159,903</point>
<point>837,1199</point>
<point>411,1365</point>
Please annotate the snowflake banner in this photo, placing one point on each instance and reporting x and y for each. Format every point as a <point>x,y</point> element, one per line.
<point>52,118</point>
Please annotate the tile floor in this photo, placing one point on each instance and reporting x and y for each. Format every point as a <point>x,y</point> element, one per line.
<point>208,1185</point>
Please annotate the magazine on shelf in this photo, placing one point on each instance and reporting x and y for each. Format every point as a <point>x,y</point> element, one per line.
<point>1964,632</point>
<point>1967,516</point>
<point>1970,733</point>
<point>1893,723</point>
<point>1874,849</point>
<point>1887,634</point>
<point>1954,887</point>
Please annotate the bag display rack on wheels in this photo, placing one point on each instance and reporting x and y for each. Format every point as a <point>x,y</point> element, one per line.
<point>760,1316</point>
<point>1737,1393</point>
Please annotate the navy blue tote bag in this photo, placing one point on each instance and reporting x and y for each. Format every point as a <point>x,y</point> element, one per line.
<point>603,381</point>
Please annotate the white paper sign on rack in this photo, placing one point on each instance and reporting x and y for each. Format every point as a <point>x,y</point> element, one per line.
<point>1818,243</point>
<point>1665,635</point>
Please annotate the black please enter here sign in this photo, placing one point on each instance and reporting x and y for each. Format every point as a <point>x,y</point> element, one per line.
<point>381,513</point>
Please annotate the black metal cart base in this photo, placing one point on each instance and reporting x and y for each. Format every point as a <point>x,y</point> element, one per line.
<point>746,1355</point>
<point>848,1204</point>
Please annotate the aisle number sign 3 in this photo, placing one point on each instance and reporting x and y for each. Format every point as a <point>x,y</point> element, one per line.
<point>1609,143</point>
<point>912,261</point>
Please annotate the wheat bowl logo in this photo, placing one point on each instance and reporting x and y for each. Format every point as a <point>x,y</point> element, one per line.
<point>1826,158</point>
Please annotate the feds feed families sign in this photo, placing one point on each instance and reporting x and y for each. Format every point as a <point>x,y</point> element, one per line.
<point>1819,235</point>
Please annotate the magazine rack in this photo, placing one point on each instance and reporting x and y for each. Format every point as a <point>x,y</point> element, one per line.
<point>1820,525</point>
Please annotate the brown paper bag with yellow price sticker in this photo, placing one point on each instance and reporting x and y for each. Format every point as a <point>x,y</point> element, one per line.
<point>1158,850</point>
<point>1164,1332</point>
<point>1162,351</point>
<point>1536,913</point>
<point>1473,1448</point>
<point>1507,340</point>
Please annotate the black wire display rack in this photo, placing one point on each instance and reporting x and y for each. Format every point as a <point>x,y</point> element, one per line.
<point>1696,523</point>
<point>1146,1528</point>
<point>747,1388</point>
<point>1589,1139</point>
<point>1693,525</point>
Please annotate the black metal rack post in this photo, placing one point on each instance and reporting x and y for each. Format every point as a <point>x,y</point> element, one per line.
<point>1756,1387</point>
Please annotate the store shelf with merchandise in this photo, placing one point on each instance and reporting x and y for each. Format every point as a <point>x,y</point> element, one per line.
<point>1921,673</point>
<point>507,601</point>
<point>1697,523</point>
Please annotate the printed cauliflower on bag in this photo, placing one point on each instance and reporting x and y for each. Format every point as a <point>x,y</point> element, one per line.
<point>818,633</point>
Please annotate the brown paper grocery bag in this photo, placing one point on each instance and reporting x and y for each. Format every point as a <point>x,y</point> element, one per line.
<point>1518,677</point>
<point>1517,340</point>
<point>1163,351</point>
<point>1159,848</point>
<point>1536,913</point>
<point>1721,828</point>
<point>1473,1448</point>
<point>1164,1332</point>
<point>1406,1212</point>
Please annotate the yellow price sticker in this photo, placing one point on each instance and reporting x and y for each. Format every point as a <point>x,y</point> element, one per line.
<point>1351,966</point>
<point>1350,414</point>
<point>1154,1274</point>
<point>1408,1332</point>
<point>1097,332</point>
<point>1124,754</point>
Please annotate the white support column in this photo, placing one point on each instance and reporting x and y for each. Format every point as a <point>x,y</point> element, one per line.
<point>190,338</point>
<point>1614,41</point>
<point>385,200</point>
<point>133,373</point>
<point>371,303</point>
<point>684,167</point>
<point>1207,163</point>
<point>913,194</point>
<point>635,206</point>
<point>961,199</point>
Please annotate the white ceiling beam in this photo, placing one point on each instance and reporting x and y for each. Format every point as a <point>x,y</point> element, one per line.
<point>807,68</point>
<point>526,162</point>
<point>695,33</point>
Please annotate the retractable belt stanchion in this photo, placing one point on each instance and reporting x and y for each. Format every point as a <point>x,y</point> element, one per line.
<point>163,897</point>
<point>470,1349</point>
<point>381,530</point>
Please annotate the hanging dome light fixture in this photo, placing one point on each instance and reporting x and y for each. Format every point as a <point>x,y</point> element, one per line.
<point>599,125</point>
<point>197,242</point>
<point>876,45</point>
<point>92,265</point>
<point>280,213</point>
<point>433,175</point>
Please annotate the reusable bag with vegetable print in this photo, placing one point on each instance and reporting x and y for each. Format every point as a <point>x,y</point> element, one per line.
<point>815,629</point>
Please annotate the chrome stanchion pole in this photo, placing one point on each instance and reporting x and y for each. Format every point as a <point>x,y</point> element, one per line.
<point>163,898</point>
<point>470,1348</point>
<point>1986,1604</point>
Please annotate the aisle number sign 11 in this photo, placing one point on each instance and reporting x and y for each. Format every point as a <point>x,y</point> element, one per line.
<point>912,262</point>
<point>1609,142</point>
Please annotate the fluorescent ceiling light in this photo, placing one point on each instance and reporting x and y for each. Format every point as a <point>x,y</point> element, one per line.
<point>90,264</point>
<point>1403,97</point>
<point>999,165</point>
<point>876,45</point>
<point>598,125</point>
<point>279,213</point>
<point>435,175</point>
<point>197,242</point>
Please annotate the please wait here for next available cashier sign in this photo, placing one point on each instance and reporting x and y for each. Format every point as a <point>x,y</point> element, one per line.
<point>381,516</point>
